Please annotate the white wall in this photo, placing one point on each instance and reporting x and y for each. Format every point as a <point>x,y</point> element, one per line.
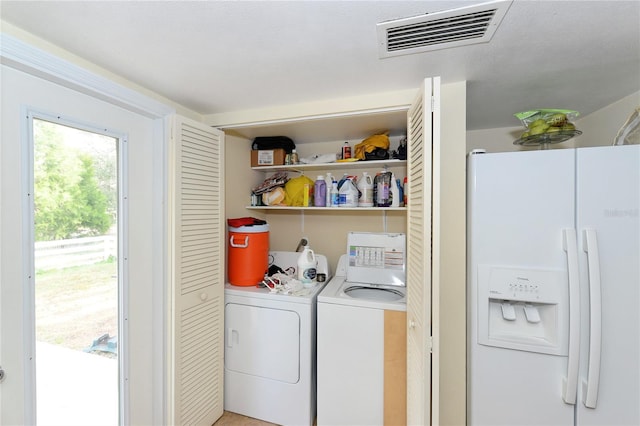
<point>601,127</point>
<point>450,308</point>
<point>598,129</point>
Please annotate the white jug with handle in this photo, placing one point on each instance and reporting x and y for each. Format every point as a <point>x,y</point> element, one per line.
<point>307,265</point>
<point>329,181</point>
<point>365,189</point>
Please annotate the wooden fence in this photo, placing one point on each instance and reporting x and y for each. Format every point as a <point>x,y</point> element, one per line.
<point>74,252</point>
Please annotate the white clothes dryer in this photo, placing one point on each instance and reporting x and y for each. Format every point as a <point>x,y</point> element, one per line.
<point>270,349</point>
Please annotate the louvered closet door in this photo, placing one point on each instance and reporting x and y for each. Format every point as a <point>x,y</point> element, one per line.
<point>198,259</point>
<point>419,170</point>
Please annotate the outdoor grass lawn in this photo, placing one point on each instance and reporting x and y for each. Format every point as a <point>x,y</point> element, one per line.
<point>75,306</point>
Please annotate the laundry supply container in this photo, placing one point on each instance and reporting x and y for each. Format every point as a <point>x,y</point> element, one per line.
<point>248,251</point>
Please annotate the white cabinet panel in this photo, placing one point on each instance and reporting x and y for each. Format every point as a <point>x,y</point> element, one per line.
<point>263,342</point>
<point>350,365</point>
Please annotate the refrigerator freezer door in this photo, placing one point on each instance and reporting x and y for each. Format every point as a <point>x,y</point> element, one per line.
<point>519,205</point>
<point>608,188</point>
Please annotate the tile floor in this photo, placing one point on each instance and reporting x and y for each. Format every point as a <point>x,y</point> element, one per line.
<point>233,419</point>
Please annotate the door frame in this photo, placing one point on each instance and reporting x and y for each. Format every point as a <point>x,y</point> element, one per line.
<point>28,232</point>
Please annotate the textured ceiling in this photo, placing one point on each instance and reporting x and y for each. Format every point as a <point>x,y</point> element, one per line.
<point>215,56</point>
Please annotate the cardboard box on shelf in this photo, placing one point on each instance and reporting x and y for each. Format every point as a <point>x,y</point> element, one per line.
<point>267,157</point>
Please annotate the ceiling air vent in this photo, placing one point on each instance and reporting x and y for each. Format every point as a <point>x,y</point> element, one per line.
<point>441,30</point>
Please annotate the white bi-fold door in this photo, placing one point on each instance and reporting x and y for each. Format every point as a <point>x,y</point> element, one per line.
<point>197,254</point>
<point>423,127</point>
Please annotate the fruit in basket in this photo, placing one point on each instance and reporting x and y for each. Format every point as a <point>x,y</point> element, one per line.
<point>557,120</point>
<point>536,123</point>
<point>542,122</point>
<point>539,129</point>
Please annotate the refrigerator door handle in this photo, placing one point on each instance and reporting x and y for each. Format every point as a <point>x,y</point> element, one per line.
<point>590,386</point>
<point>570,382</point>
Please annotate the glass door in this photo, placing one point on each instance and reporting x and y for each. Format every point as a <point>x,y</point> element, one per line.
<point>76,221</point>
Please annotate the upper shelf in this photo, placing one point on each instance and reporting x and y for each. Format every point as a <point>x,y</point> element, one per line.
<point>330,209</point>
<point>339,127</point>
<point>331,166</point>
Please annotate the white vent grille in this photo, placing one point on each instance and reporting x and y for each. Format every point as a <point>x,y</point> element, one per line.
<point>440,30</point>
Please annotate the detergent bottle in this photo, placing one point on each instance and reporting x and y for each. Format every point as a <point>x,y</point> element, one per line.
<point>383,189</point>
<point>365,188</point>
<point>320,192</point>
<point>348,193</point>
<point>335,195</point>
<point>329,184</point>
<point>307,264</point>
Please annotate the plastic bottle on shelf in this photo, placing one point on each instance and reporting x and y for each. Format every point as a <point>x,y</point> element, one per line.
<point>365,187</point>
<point>307,265</point>
<point>320,192</point>
<point>307,195</point>
<point>383,187</point>
<point>346,151</point>
<point>342,180</point>
<point>405,188</point>
<point>375,189</point>
<point>395,191</point>
<point>328,180</point>
<point>294,157</point>
<point>335,195</point>
<point>348,194</point>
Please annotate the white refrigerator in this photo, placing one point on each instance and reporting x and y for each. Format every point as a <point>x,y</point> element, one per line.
<point>554,287</point>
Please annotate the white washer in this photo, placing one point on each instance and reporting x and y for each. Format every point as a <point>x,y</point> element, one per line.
<point>270,350</point>
<point>351,337</point>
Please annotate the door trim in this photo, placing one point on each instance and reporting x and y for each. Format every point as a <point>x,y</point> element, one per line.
<point>28,232</point>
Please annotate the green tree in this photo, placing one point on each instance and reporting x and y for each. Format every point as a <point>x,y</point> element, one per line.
<point>90,201</point>
<point>55,216</point>
<point>68,201</point>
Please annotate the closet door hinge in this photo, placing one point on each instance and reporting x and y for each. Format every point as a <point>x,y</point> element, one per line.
<point>429,344</point>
